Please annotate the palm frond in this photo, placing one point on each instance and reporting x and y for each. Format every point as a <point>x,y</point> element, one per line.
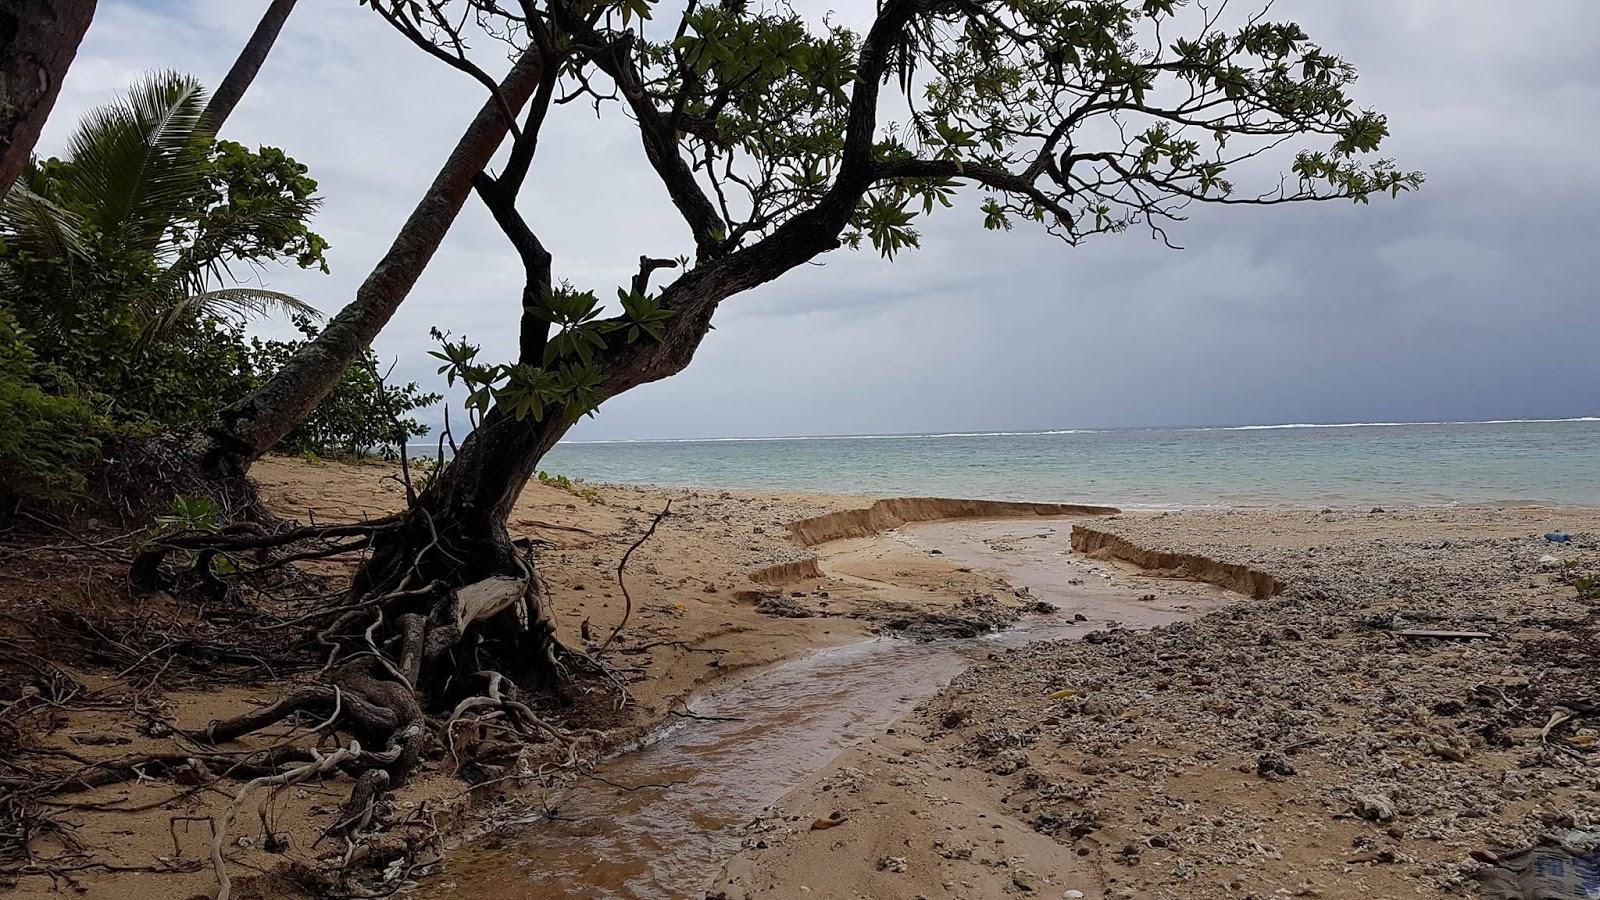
<point>31,223</point>
<point>236,303</point>
<point>245,302</point>
<point>137,160</point>
<point>191,270</point>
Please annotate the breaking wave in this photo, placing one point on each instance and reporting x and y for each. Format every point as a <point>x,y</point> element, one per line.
<point>1393,424</point>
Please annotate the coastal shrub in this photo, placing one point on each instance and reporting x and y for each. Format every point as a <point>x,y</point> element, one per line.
<point>122,258</point>
<point>120,312</point>
<point>1588,586</point>
<point>363,415</point>
<point>46,440</point>
<point>576,488</point>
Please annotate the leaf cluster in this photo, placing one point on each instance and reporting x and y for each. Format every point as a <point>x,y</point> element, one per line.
<point>569,382</point>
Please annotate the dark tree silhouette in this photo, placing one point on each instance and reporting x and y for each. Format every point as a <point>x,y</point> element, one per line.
<point>38,40</point>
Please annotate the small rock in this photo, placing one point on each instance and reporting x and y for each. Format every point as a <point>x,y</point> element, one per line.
<point>1374,808</point>
<point>833,820</point>
<point>1274,764</point>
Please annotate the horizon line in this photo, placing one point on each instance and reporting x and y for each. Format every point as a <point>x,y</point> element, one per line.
<point>1063,431</point>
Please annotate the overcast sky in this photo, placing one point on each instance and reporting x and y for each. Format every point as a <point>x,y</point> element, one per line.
<point>1474,299</point>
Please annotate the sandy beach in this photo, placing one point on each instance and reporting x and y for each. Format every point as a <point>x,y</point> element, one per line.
<point>697,617</point>
<point>1297,745</point>
<point>628,449</point>
<point>1227,704</point>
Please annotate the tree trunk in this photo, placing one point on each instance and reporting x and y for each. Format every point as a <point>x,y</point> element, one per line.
<point>243,73</point>
<point>38,39</point>
<point>242,432</point>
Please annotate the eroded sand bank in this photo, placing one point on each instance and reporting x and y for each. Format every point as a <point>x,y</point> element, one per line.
<point>1295,742</point>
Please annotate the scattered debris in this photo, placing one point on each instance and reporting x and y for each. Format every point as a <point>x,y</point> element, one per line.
<point>1273,764</point>
<point>782,608</point>
<point>1374,808</point>
<point>1559,870</point>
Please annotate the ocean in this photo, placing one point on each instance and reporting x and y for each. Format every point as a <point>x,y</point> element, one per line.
<point>1415,464</point>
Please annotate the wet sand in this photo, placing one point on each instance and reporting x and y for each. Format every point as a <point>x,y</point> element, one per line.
<point>660,822</point>
<point>1125,763</point>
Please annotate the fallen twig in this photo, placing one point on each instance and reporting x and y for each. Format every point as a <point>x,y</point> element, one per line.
<point>627,599</point>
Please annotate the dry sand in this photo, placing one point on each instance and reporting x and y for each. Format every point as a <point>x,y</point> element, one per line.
<point>697,617</point>
<point>1293,743</point>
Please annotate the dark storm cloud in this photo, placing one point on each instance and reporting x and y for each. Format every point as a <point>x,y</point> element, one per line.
<point>1475,298</point>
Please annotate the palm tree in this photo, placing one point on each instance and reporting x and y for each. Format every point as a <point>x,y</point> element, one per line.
<point>131,187</point>
<point>249,62</point>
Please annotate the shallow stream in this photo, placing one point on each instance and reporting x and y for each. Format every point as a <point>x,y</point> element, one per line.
<point>660,821</point>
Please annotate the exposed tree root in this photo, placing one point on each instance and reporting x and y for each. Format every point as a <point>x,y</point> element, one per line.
<point>441,644</point>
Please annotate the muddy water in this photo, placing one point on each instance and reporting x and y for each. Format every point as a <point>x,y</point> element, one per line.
<point>682,799</point>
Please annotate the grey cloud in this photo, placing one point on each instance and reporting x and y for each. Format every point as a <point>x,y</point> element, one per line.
<point>1472,299</point>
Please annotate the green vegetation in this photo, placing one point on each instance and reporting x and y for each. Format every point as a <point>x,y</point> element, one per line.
<point>576,488</point>
<point>121,311</point>
<point>364,416</point>
<point>47,440</point>
<point>1588,586</point>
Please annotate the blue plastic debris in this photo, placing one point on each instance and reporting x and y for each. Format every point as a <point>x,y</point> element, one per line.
<point>1557,537</point>
<point>1558,871</point>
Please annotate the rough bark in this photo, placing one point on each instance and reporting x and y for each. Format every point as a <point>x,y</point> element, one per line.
<point>246,429</point>
<point>473,496</point>
<point>38,40</point>
<point>447,603</point>
<point>245,67</point>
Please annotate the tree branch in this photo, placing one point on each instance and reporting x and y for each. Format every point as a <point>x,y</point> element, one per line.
<point>613,54</point>
<point>648,265</point>
<point>534,331</point>
<point>401,21</point>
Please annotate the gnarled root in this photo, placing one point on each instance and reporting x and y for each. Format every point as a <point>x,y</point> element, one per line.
<point>406,644</point>
<point>441,643</point>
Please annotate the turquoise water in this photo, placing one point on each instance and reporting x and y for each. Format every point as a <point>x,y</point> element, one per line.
<point>1547,462</point>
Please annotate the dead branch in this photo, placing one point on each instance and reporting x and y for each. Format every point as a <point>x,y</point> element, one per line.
<point>622,564</point>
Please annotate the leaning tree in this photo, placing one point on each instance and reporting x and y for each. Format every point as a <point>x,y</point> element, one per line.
<point>777,139</point>
<point>246,65</point>
<point>38,40</point>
